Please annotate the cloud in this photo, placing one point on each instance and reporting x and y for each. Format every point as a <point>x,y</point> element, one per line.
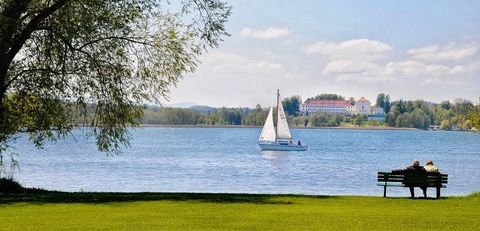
<point>466,69</point>
<point>363,77</point>
<point>352,49</point>
<point>352,59</point>
<point>269,33</point>
<point>238,78</point>
<point>414,68</point>
<point>343,66</point>
<point>365,60</point>
<point>450,52</point>
<point>229,63</point>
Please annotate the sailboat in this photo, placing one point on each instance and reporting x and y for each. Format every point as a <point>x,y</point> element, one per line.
<point>278,138</point>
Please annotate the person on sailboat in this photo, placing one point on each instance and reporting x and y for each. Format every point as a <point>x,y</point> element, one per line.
<point>299,143</point>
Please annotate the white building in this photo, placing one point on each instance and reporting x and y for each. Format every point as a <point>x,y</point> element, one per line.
<point>351,109</point>
<point>377,114</point>
<point>378,111</point>
<point>362,106</point>
<point>331,106</point>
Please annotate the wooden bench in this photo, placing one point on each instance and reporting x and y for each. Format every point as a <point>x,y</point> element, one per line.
<point>397,179</point>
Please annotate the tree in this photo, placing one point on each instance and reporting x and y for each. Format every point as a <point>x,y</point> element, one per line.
<point>445,105</point>
<point>291,105</point>
<point>60,55</point>
<point>391,117</point>
<point>387,105</point>
<point>300,121</point>
<point>420,119</point>
<point>381,100</point>
<point>351,100</point>
<point>461,106</point>
<point>256,117</point>
<point>474,117</point>
<point>404,120</point>
<point>445,125</point>
<point>327,97</point>
<point>358,120</point>
<point>324,119</point>
<point>401,106</point>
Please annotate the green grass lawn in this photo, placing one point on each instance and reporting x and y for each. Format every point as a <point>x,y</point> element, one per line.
<point>185,211</point>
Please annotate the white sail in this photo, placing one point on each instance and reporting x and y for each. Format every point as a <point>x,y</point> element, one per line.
<point>268,131</point>
<point>278,138</point>
<point>283,131</point>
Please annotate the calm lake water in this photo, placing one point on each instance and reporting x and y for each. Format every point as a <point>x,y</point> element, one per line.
<point>338,162</point>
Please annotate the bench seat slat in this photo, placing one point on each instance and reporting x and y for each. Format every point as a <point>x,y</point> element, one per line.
<point>413,180</point>
<point>390,180</point>
<point>393,184</point>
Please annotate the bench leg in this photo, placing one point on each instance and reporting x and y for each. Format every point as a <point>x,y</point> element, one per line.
<point>438,192</point>
<point>385,191</point>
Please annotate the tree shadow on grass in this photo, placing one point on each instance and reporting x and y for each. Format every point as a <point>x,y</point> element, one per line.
<point>42,196</point>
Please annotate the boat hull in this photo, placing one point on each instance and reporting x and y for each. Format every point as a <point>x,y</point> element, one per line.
<point>282,147</point>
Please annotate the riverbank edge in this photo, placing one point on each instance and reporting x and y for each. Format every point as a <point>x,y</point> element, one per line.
<point>248,126</point>
<point>47,196</point>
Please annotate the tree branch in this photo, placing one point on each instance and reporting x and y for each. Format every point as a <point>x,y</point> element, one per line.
<point>22,37</point>
<point>29,71</point>
<point>132,40</point>
<point>11,17</point>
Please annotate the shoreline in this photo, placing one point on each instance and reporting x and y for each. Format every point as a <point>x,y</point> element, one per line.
<point>30,194</point>
<point>251,126</point>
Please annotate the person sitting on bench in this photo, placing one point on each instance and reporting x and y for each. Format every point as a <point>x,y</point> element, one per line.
<point>415,170</point>
<point>430,167</point>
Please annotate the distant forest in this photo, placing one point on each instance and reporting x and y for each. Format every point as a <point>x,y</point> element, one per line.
<point>457,115</point>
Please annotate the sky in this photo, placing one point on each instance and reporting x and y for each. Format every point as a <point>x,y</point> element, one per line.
<point>410,50</point>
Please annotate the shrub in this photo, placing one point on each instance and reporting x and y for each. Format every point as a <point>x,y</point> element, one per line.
<point>9,185</point>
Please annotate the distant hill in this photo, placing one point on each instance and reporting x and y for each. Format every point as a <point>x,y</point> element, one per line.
<point>200,108</point>
<point>181,105</point>
<point>197,108</point>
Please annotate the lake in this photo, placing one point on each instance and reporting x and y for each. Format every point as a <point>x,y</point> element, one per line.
<point>338,162</point>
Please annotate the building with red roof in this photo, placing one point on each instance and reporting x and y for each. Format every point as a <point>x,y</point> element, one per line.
<point>362,106</point>
<point>331,106</point>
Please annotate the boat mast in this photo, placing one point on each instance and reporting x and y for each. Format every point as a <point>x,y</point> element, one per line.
<point>276,127</point>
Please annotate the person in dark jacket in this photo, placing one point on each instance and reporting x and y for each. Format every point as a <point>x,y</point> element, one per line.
<point>414,173</point>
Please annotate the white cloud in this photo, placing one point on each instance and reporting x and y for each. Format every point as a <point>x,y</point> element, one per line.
<point>342,66</point>
<point>407,69</point>
<point>413,68</point>
<point>268,33</point>
<point>363,77</point>
<point>352,49</point>
<point>229,63</point>
<point>450,52</point>
<point>232,78</point>
<point>353,59</point>
<point>466,69</point>
<point>365,60</point>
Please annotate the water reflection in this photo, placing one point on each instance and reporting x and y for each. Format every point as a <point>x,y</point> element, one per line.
<point>274,154</point>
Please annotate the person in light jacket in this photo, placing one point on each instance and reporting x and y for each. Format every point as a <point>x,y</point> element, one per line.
<point>430,167</point>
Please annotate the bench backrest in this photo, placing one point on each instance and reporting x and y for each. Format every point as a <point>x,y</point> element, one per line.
<point>428,179</point>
